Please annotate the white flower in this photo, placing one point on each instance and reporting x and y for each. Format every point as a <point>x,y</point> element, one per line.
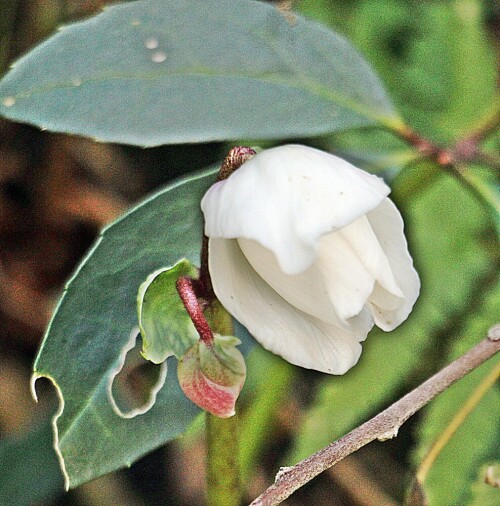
<point>308,253</point>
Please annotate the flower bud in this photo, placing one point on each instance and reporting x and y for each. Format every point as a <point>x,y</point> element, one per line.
<point>212,375</point>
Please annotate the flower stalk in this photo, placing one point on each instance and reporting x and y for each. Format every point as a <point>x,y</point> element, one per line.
<point>189,298</point>
<point>212,372</point>
<point>236,157</point>
<point>223,469</point>
<point>223,477</point>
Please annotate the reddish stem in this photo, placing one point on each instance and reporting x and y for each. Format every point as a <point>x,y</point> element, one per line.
<point>188,296</point>
<point>236,157</point>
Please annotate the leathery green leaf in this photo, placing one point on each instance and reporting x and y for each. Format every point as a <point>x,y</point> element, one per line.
<point>93,326</point>
<point>167,71</point>
<point>30,473</point>
<point>486,489</point>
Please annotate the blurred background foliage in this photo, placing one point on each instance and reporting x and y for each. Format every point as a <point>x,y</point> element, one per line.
<point>439,62</point>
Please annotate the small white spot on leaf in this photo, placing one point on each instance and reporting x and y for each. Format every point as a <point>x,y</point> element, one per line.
<point>151,43</point>
<point>8,101</point>
<point>158,56</point>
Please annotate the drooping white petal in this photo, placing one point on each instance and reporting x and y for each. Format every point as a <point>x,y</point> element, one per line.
<point>299,338</point>
<point>286,198</point>
<point>387,225</point>
<point>334,289</point>
<point>365,246</point>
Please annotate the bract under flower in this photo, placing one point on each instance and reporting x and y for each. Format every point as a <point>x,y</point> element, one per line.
<point>212,376</point>
<point>308,253</point>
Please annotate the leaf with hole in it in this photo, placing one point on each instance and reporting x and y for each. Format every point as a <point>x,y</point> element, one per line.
<point>451,239</point>
<point>169,71</point>
<point>94,324</point>
<point>473,404</point>
<point>165,325</point>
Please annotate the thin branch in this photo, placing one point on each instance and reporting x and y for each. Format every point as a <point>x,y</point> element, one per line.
<point>453,159</point>
<point>466,149</point>
<point>484,193</point>
<point>486,126</point>
<point>476,187</point>
<point>383,426</point>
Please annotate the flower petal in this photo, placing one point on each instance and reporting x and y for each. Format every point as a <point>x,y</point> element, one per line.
<point>387,224</point>
<point>334,289</point>
<point>286,198</point>
<point>365,246</point>
<point>281,328</point>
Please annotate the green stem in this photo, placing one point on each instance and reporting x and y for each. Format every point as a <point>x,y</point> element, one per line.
<point>260,417</point>
<point>223,466</point>
<point>223,477</point>
<point>222,435</point>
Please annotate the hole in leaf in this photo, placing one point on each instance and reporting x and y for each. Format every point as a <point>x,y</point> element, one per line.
<point>135,382</point>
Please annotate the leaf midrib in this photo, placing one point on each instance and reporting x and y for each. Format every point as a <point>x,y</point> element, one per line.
<point>311,87</point>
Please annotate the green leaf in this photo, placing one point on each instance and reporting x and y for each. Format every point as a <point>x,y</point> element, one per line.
<point>30,472</point>
<point>475,443</point>
<point>446,228</point>
<point>473,60</point>
<point>374,150</point>
<point>169,71</point>
<point>93,323</point>
<point>165,325</point>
